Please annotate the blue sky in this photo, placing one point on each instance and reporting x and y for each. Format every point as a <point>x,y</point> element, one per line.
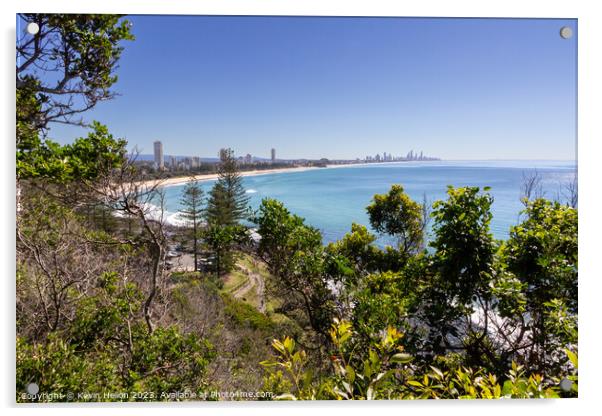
<point>345,87</point>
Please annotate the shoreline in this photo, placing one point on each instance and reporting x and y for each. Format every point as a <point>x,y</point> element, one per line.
<point>180,180</point>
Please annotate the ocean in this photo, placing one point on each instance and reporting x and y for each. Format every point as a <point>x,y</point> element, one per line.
<point>330,199</point>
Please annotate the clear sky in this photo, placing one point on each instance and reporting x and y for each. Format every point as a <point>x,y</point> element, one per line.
<point>345,87</point>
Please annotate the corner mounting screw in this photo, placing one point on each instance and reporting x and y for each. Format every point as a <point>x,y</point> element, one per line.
<point>566,32</point>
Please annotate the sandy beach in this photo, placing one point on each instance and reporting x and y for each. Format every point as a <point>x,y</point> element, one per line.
<point>212,176</point>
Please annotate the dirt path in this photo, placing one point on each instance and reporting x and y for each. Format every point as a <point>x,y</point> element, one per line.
<point>255,281</point>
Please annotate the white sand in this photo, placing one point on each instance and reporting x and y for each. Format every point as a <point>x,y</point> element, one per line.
<point>211,176</point>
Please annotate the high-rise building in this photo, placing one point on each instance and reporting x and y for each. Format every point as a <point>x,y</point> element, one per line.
<point>248,159</point>
<point>273,155</point>
<point>158,154</point>
<point>196,162</point>
<point>173,163</point>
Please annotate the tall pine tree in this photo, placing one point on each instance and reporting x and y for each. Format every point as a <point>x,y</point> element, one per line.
<point>192,201</point>
<point>228,203</point>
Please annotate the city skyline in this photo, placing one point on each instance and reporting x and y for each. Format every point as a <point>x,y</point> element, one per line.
<point>159,157</point>
<point>341,87</point>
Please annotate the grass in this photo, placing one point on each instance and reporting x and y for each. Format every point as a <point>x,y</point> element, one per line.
<point>244,314</point>
<point>235,280</point>
<point>178,277</point>
<point>251,297</point>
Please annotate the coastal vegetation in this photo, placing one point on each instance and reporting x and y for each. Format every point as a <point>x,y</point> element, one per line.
<point>101,315</point>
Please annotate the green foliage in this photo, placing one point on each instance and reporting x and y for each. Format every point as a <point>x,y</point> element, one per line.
<point>465,383</point>
<point>192,212</point>
<point>108,349</point>
<point>383,300</point>
<point>464,246</point>
<point>367,377</point>
<point>396,214</point>
<point>386,372</point>
<point>283,235</point>
<point>222,239</point>
<point>85,159</point>
<point>573,377</point>
<point>540,259</point>
<point>29,109</point>
<point>192,202</point>
<point>56,367</point>
<point>228,201</point>
<point>542,253</point>
<point>168,361</point>
<point>358,248</point>
<point>294,254</point>
<point>244,314</point>
<point>99,316</point>
<point>227,205</point>
<point>78,54</point>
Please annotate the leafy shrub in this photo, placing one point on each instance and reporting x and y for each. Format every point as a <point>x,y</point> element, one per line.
<point>244,314</point>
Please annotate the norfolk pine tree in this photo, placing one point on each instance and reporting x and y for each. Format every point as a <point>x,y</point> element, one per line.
<point>228,202</point>
<point>192,201</point>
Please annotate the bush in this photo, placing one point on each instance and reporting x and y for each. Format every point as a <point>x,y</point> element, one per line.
<point>244,314</point>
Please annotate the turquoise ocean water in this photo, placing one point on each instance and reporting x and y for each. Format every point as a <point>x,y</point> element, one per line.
<point>332,198</point>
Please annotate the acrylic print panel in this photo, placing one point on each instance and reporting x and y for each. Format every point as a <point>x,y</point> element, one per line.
<point>311,208</point>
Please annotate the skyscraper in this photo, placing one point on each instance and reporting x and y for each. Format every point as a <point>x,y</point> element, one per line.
<point>273,155</point>
<point>158,154</point>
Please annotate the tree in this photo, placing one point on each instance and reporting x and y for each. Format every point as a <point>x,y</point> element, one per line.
<point>192,201</point>
<point>397,215</point>
<point>106,325</point>
<point>86,159</point>
<point>358,248</point>
<point>463,243</point>
<point>78,53</point>
<point>531,186</point>
<point>294,254</point>
<point>62,71</point>
<point>542,256</point>
<point>228,201</point>
<point>461,267</point>
<point>221,239</point>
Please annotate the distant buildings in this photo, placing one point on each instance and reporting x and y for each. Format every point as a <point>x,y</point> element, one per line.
<point>193,163</point>
<point>388,157</point>
<point>418,156</point>
<point>171,162</point>
<point>158,147</point>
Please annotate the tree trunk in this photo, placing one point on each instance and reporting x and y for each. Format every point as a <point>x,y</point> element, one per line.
<point>194,230</point>
<point>157,252</point>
